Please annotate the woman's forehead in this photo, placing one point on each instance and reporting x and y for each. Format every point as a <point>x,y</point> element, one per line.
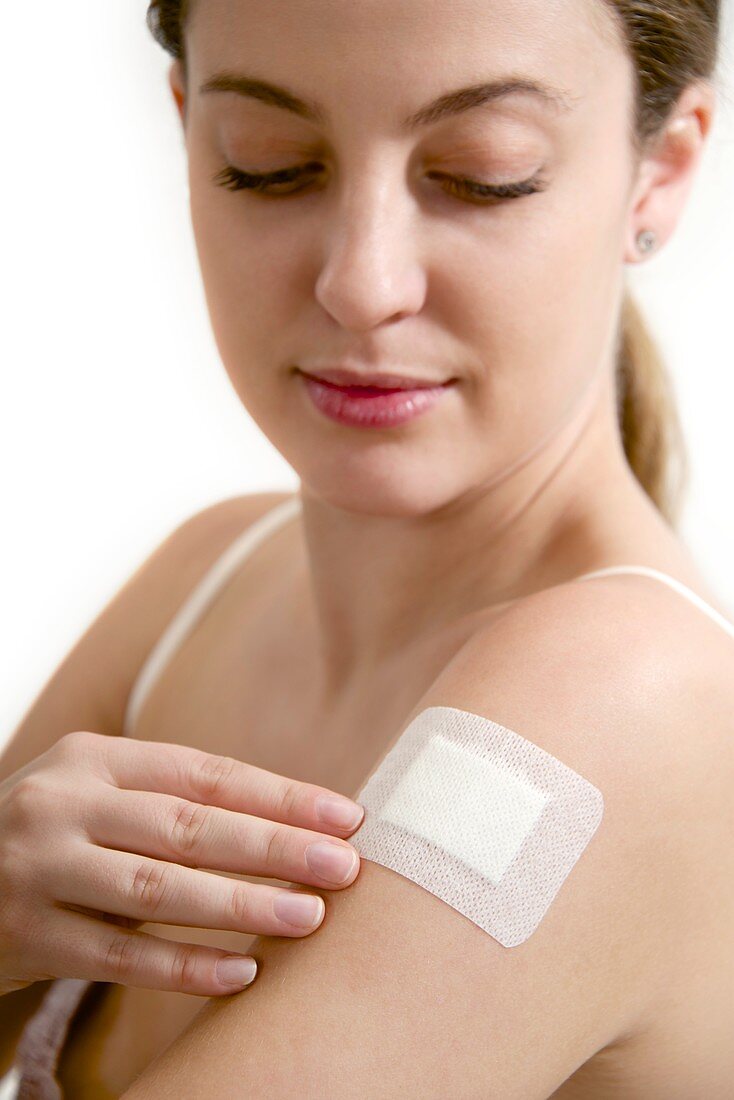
<point>392,58</point>
<point>370,35</point>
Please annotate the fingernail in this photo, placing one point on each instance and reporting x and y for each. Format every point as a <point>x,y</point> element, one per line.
<point>305,910</point>
<point>332,862</point>
<point>236,970</point>
<point>341,812</point>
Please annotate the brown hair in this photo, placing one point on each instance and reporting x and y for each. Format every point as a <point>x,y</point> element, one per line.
<point>672,43</point>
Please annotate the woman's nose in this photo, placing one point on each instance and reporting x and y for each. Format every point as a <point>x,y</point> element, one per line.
<point>371,269</point>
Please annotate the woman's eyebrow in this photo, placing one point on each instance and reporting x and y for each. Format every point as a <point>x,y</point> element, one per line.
<point>450,103</point>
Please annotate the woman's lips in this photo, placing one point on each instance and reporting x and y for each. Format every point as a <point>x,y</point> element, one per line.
<point>382,380</point>
<point>372,406</point>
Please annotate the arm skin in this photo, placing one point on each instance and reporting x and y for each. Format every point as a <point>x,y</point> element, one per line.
<point>397,994</point>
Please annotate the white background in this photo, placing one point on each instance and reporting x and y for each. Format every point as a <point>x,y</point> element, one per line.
<point>117,418</point>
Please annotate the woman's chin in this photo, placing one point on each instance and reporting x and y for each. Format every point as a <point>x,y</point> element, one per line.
<point>391,493</point>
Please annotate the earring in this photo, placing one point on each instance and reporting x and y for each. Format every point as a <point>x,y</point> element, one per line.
<point>646,240</point>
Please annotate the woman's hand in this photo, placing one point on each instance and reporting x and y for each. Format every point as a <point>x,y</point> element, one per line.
<point>101,834</point>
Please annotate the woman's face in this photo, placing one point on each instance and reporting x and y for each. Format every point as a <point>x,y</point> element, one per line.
<point>376,257</point>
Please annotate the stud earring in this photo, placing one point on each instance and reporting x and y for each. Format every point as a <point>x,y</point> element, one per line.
<point>646,240</point>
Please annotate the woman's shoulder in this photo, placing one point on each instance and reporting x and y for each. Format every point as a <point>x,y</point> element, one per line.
<point>616,645</point>
<point>623,681</point>
<point>197,540</point>
<point>627,681</point>
<point>164,580</point>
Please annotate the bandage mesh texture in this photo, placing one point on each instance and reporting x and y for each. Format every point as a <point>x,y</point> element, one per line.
<point>479,816</point>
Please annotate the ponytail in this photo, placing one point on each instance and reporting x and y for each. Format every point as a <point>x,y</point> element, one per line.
<point>650,427</point>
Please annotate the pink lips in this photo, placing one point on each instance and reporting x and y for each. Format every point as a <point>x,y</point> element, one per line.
<point>340,377</point>
<point>371,406</point>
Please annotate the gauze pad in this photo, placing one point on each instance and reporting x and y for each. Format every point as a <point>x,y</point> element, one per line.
<point>478,816</point>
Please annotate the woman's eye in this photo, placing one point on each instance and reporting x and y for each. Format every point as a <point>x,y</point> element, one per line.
<point>471,190</point>
<point>235,180</point>
<point>479,192</point>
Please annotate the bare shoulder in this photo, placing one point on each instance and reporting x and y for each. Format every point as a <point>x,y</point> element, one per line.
<point>625,674</point>
<point>600,677</point>
<point>629,684</point>
<point>90,687</point>
<point>160,585</point>
<point>616,646</point>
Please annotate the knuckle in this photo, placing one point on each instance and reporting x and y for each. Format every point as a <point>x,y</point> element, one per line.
<point>213,774</point>
<point>28,798</point>
<point>188,820</point>
<point>274,846</point>
<point>184,966</point>
<point>288,801</point>
<point>149,886</point>
<point>75,742</point>
<point>240,909</point>
<point>123,954</point>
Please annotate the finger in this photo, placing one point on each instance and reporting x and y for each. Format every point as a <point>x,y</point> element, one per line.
<point>151,890</point>
<point>96,951</point>
<point>166,827</point>
<point>231,784</point>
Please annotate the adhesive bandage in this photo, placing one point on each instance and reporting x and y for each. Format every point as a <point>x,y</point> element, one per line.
<point>479,816</point>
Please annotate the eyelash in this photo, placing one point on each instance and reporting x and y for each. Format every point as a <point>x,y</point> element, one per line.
<point>483,193</point>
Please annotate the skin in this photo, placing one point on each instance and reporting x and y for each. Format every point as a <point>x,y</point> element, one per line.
<point>517,479</point>
<point>516,482</point>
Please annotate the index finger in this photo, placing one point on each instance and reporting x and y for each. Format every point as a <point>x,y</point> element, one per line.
<point>167,768</point>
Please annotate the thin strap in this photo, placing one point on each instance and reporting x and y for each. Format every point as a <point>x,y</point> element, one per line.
<point>673,583</point>
<point>199,600</point>
<point>10,1084</point>
<point>37,1053</point>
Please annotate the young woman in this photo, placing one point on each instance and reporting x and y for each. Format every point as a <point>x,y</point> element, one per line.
<point>413,221</point>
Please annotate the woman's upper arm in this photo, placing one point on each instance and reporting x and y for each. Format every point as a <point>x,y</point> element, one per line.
<point>398,993</point>
<point>90,687</point>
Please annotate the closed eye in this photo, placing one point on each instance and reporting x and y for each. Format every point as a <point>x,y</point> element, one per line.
<point>493,191</point>
<point>264,183</point>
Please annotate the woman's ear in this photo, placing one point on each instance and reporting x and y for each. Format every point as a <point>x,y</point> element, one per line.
<point>177,82</point>
<point>667,170</point>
